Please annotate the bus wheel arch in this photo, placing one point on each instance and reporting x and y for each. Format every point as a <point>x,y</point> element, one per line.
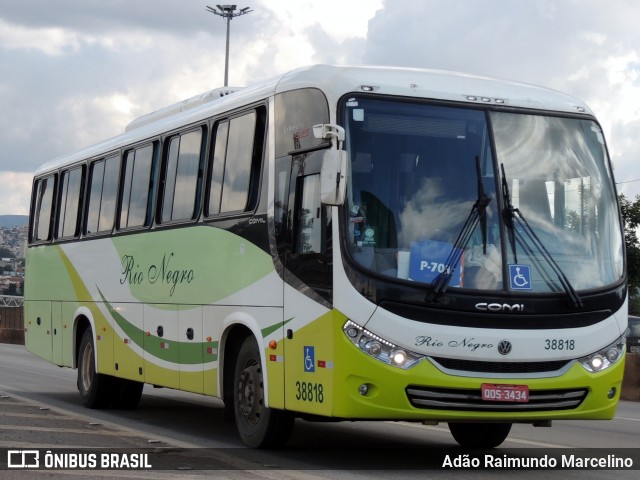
<point>243,392</point>
<point>258,425</point>
<point>98,390</point>
<point>80,325</point>
<point>230,343</point>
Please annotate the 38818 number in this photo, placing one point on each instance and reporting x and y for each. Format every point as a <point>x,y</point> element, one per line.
<point>310,392</point>
<point>559,344</point>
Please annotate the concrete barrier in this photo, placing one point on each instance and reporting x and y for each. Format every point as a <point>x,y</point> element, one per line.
<point>631,382</point>
<point>12,325</point>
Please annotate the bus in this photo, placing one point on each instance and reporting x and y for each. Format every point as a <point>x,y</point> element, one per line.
<point>341,243</point>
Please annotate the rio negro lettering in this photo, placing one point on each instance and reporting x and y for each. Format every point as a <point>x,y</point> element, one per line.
<point>469,343</point>
<point>162,273</point>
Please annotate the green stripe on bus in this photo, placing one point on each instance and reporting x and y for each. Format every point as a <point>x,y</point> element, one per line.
<point>269,330</point>
<point>190,353</point>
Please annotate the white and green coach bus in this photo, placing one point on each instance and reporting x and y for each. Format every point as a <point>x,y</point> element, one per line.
<point>341,243</point>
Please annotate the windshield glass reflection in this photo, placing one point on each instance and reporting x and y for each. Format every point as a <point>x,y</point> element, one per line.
<point>556,169</point>
<point>417,171</point>
<point>415,177</point>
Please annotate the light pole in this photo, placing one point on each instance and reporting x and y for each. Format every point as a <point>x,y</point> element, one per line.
<point>227,11</point>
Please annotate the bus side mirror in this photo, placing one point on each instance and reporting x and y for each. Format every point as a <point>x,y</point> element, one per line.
<point>333,179</point>
<point>333,175</point>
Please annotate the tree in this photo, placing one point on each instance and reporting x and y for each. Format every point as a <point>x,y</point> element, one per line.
<point>5,253</point>
<point>631,218</point>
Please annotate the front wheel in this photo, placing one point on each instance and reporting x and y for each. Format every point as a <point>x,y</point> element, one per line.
<point>479,435</point>
<point>258,426</point>
<point>93,386</point>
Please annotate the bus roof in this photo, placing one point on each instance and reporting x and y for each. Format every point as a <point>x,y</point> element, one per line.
<point>336,81</point>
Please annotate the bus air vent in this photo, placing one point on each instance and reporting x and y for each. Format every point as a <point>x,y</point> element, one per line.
<point>499,367</point>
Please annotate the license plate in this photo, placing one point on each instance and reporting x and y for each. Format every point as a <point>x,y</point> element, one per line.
<point>505,393</point>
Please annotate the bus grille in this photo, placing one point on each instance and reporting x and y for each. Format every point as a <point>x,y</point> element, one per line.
<point>459,399</point>
<point>500,367</point>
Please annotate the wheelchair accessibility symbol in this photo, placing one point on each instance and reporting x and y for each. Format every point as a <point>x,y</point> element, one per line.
<point>520,277</point>
<point>309,359</point>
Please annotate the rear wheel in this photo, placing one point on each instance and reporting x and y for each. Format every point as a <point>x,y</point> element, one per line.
<point>258,426</point>
<point>93,387</point>
<point>479,435</point>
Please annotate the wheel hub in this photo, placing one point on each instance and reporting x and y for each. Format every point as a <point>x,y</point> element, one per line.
<point>250,393</point>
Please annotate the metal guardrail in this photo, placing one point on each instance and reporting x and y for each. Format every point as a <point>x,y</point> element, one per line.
<point>10,301</point>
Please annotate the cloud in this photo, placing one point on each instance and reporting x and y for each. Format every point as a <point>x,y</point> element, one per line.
<point>585,48</point>
<point>74,73</point>
<point>16,190</point>
<point>102,18</point>
<point>52,41</point>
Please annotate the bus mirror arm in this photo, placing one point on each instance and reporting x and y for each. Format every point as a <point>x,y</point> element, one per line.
<point>333,180</point>
<point>327,130</point>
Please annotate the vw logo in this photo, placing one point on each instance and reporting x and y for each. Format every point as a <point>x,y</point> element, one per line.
<point>504,347</point>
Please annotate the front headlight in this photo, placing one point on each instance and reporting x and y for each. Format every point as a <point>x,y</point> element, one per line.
<point>603,359</point>
<point>379,348</point>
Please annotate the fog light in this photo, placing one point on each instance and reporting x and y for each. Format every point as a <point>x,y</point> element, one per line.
<point>363,389</point>
<point>611,393</point>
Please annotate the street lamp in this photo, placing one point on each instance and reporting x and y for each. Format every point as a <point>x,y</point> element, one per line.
<point>228,12</point>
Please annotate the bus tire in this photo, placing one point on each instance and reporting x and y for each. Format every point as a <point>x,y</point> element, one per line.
<point>479,435</point>
<point>93,387</point>
<point>125,394</point>
<point>258,426</point>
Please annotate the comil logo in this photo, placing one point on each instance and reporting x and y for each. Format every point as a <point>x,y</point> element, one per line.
<point>23,459</point>
<point>499,307</point>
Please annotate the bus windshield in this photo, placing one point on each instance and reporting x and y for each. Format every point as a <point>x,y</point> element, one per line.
<point>427,196</point>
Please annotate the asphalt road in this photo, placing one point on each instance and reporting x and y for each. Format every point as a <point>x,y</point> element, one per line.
<point>40,408</point>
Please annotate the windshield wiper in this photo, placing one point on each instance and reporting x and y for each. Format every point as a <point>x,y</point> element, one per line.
<point>513,216</point>
<point>508,214</point>
<point>477,215</point>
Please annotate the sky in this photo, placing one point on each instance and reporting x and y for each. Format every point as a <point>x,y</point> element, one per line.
<point>75,72</point>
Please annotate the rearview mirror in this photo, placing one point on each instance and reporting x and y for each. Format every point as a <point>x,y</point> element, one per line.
<point>333,180</point>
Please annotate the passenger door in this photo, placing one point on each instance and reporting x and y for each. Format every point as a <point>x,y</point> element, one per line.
<point>308,272</point>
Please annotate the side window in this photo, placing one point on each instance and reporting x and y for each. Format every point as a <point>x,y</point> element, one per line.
<point>217,170</point>
<point>42,209</point>
<point>237,156</point>
<point>296,112</point>
<point>182,177</point>
<point>237,172</point>
<point>71,188</point>
<point>103,192</point>
<point>137,185</point>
